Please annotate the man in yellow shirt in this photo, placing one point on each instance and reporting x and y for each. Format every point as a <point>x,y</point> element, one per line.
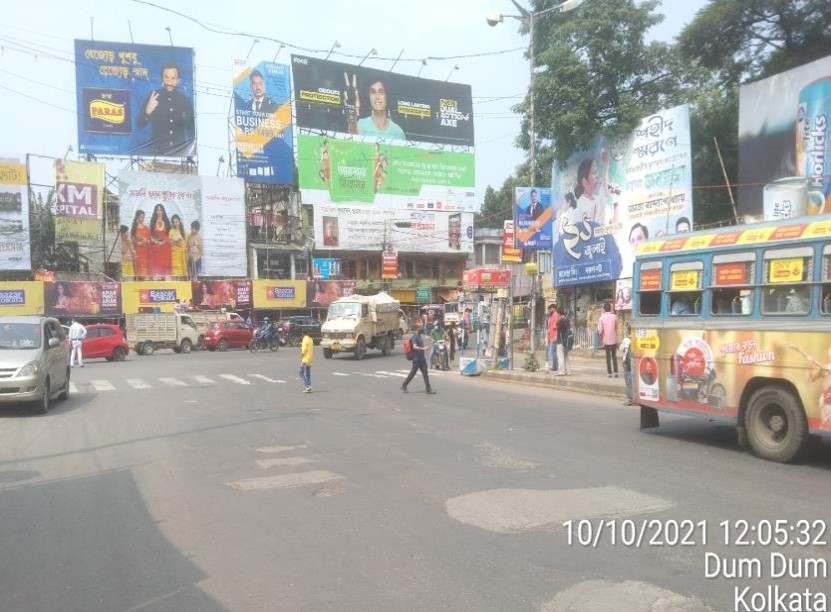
<point>306,354</point>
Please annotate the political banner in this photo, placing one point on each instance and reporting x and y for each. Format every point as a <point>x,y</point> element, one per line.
<point>372,135</point>
<point>134,99</point>
<point>79,200</point>
<point>82,298</point>
<point>357,228</point>
<point>184,226</point>
<point>510,254</point>
<point>784,147</point>
<point>15,246</point>
<point>616,195</point>
<point>262,122</point>
<point>532,218</point>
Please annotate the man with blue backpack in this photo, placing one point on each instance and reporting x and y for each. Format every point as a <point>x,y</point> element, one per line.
<point>414,349</point>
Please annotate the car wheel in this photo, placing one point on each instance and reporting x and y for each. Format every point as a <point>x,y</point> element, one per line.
<point>42,405</point>
<point>119,354</point>
<point>186,346</point>
<point>327,353</point>
<point>148,349</point>
<point>222,345</point>
<point>65,393</point>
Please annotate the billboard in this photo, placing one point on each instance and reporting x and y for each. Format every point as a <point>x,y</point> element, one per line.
<point>325,268</point>
<point>510,254</point>
<point>15,249</point>
<point>79,200</point>
<point>164,295</point>
<point>321,293</point>
<point>611,198</point>
<point>210,295</point>
<point>532,218</point>
<point>784,152</point>
<point>389,264</point>
<point>271,294</point>
<point>21,298</point>
<point>356,228</point>
<point>372,137</point>
<point>262,122</point>
<point>134,99</point>
<point>80,298</point>
<point>184,226</point>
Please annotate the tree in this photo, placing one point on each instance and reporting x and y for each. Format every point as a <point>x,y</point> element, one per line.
<point>498,205</point>
<point>596,75</point>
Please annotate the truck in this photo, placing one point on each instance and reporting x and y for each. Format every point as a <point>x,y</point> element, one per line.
<point>148,332</point>
<point>205,319</point>
<point>360,322</point>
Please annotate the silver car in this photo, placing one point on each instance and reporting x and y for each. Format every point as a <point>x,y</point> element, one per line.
<point>34,361</point>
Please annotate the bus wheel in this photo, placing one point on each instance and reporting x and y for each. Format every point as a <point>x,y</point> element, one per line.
<point>776,425</point>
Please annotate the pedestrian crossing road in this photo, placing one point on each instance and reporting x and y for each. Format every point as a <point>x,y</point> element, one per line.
<point>99,385</point>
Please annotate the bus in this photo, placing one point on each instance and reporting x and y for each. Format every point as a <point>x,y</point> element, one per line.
<point>734,325</point>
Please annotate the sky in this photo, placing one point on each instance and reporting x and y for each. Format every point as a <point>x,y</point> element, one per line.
<point>37,78</point>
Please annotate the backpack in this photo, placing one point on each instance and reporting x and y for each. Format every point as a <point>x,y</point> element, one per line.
<point>408,349</point>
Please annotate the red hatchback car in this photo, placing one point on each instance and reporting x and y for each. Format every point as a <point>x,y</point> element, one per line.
<point>104,340</point>
<point>228,334</point>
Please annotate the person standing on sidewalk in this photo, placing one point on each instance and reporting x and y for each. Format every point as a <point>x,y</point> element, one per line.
<point>607,327</point>
<point>565,339</point>
<point>553,366</point>
<point>306,353</point>
<point>419,361</point>
<point>626,357</point>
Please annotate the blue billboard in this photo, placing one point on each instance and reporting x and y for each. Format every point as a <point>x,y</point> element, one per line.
<point>532,218</point>
<point>134,99</point>
<point>262,123</point>
<point>325,268</point>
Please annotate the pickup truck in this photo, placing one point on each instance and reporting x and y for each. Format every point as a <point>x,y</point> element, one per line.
<point>147,333</point>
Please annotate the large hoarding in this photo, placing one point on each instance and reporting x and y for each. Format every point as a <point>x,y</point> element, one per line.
<point>21,298</point>
<point>262,122</point>
<point>15,248</point>
<point>784,151</point>
<point>134,99</point>
<point>382,138</point>
<point>184,226</point>
<point>79,200</point>
<point>609,199</point>
<point>371,229</point>
<point>82,298</point>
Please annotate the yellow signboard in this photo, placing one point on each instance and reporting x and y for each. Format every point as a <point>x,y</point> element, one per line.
<point>650,248</point>
<point>786,270</point>
<point>281,293</point>
<point>161,295</point>
<point>756,235</point>
<point>684,280</point>
<point>21,298</point>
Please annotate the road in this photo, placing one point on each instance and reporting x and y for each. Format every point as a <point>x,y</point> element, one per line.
<point>211,482</point>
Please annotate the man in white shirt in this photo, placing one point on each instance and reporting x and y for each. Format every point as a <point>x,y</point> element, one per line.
<point>77,333</point>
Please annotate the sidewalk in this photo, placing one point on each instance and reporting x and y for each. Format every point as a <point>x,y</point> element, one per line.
<point>588,375</point>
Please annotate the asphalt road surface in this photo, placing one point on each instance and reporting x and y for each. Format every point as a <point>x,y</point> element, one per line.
<point>209,482</point>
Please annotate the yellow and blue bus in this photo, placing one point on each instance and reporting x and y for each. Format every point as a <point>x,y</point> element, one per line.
<point>734,324</point>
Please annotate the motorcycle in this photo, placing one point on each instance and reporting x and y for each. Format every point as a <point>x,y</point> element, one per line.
<point>440,358</point>
<point>264,338</point>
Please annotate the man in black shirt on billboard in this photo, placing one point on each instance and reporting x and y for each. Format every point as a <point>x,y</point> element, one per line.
<point>171,114</point>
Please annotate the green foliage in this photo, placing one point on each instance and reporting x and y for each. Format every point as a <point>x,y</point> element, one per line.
<point>531,364</point>
<point>498,205</point>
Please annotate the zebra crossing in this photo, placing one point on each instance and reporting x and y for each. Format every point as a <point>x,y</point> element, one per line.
<point>202,380</point>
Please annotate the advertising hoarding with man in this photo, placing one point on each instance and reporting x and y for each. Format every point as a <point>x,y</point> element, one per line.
<point>373,135</point>
<point>134,99</point>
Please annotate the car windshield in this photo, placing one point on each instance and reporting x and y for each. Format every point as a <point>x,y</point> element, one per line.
<point>20,336</point>
<point>344,310</point>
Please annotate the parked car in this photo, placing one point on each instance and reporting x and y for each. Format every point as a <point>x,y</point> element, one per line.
<point>34,361</point>
<point>294,328</point>
<point>228,334</point>
<point>105,340</point>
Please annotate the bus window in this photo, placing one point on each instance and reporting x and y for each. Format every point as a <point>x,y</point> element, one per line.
<point>733,277</point>
<point>685,288</point>
<point>649,288</point>
<point>786,281</point>
<point>825,288</point>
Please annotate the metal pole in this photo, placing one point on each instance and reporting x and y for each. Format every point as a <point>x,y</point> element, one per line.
<point>726,181</point>
<point>532,171</point>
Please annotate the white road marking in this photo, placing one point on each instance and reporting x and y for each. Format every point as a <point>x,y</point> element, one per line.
<point>339,374</point>
<point>267,379</point>
<point>235,379</point>
<point>282,462</point>
<point>173,382</point>
<point>279,449</point>
<point>138,383</point>
<point>401,374</point>
<point>203,379</point>
<point>369,375</point>
<point>285,481</point>
<point>102,385</point>
<point>73,388</point>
